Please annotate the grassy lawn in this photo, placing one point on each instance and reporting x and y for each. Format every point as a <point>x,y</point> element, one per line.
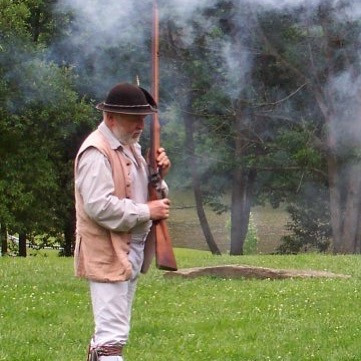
<point>45,312</point>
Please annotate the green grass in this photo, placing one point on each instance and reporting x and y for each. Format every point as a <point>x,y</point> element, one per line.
<point>45,312</point>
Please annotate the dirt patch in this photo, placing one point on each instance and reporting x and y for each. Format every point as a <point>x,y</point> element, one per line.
<point>240,271</point>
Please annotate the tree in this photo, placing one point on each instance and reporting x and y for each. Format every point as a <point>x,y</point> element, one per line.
<point>203,85</point>
<point>196,184</point>
<point>310,222</point>
<point>176,55</point>
<point>251,65</point>
<point>323,58</point>
<point>41,115</point>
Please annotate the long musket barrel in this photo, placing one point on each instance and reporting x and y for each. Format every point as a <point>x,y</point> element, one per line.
<point>155,128</point>
<point>164,254</point>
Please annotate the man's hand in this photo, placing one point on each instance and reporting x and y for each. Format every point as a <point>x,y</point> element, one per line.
<point>159,209</point>
<point>163,161</point>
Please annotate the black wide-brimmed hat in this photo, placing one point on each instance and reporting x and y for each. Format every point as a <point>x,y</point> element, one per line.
<point>127,98</point>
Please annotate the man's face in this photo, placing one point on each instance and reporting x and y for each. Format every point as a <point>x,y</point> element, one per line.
<point>128,128</point>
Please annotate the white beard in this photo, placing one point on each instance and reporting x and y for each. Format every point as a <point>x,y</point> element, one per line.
<point>126,139</point>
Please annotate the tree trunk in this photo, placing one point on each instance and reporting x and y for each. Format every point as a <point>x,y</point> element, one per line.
<point>344,178</point>
<point>345,207</point>
<point>335,204</point>
<point>22,244</point>
<point>241,209</point>
<point>241,199</point>
<point>351,209</point>
<point>4,239</point>
<point>344,175</point>
<point>239,227</point>
<point>188,121</point>
<point>358,232</point>
<point>69,234</point>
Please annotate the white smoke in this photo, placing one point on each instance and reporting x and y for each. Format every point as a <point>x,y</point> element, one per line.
<point>238,62</point>
<point>122,22</point>
<point>102,22</point>
<point>282,4</point>
<point>345,90</point>
<point>187,9</point>
<point>352,10</point>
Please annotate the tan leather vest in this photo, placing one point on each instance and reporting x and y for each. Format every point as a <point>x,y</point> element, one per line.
<point>100,254</point>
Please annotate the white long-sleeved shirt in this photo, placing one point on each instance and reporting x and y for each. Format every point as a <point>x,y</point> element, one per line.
<point>95,183</point>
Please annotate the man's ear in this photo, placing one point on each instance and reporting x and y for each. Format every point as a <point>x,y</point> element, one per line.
<point>109,118</point>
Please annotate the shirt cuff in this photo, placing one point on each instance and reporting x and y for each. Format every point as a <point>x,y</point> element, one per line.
<point>144,214</point>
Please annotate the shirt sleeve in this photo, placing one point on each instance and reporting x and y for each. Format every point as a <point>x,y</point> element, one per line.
<point>95,184</point>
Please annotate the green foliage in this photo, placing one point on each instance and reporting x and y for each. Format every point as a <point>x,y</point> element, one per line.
<point>43,114</point>
<point>310,227</point>
<point>296,143</point>
<point>13,18</point>
<point>41,117</point>
<point>294,161</point>
<point>45,312</point>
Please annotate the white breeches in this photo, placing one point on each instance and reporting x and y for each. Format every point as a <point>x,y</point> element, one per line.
<point>112,305</point>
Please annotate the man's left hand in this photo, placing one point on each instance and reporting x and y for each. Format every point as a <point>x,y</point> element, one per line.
<point>163,161</point>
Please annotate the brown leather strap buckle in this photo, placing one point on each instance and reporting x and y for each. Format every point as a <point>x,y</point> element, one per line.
<point>106,350</point>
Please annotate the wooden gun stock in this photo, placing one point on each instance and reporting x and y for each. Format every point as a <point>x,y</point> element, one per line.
<point>164,255</point>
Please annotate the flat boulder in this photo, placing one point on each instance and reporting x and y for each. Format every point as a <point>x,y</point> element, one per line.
<point>245,271</point>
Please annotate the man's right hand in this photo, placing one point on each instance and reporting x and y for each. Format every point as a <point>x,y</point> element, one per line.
<point>159,209</point>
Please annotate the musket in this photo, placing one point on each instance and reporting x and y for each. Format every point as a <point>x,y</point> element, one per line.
<point>164,254</point>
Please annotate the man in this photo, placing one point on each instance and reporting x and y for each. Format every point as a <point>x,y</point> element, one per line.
<point>114,215</point>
